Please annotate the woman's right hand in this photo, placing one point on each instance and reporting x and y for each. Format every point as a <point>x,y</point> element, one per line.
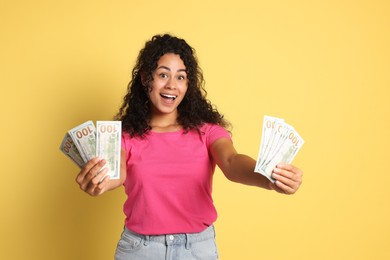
<point>92,179</point>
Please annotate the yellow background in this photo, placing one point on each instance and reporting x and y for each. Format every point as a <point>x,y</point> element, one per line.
<point>322,65</point>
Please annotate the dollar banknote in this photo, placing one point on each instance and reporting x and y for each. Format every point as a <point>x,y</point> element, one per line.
<point>84,137</point>
<point>267,136</point>
<point>280,142</point>
<point>69,149</point>
<point>108,145</point>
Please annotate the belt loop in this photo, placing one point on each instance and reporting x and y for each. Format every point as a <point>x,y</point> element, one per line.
<point>187,241</point>
<point>147,239</point>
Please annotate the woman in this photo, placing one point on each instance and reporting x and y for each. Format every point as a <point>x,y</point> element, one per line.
<point>172,140</point>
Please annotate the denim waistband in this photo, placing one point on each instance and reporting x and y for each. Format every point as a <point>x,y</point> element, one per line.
<point>175,239</point>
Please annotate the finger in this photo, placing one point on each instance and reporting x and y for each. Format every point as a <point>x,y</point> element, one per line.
<point>285,166</point>
<point>285,180</point>
<point>284,188</point>
<point>289,171</point>
<point>99,177</point>
<point>291,182</point>
<point>276,188</point>
<point>86,181</point>
<point>284,173</point>
<point>95,170</point>
<point>102,184</point>
<point>290,168</point>
<point>86,168</point>
<point>91,189</point>
<point>98,189</point>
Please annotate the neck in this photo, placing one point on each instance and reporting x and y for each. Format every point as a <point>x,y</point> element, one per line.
<point>164,123</point>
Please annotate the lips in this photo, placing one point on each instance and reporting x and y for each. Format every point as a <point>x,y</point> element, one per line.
<point>168,97</point>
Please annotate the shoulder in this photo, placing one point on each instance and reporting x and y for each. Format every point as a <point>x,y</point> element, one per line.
<point>208,128</point>
<point>213,132</point>
<point>129,141</point>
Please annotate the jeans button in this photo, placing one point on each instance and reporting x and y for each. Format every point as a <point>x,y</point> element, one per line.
<point>171,237</point>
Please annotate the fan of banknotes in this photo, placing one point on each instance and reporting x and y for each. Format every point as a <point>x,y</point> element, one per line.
<point>279,143</point>
<point>85,142</point>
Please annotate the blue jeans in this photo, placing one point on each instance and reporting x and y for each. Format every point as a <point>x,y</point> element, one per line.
<point>194,246</point>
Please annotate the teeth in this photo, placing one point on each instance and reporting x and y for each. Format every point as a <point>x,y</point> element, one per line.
<point>168,96</point>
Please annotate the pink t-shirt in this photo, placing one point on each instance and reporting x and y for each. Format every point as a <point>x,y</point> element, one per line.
<point>169,181</point>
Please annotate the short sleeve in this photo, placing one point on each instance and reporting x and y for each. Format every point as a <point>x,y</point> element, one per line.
<point>215,132</point>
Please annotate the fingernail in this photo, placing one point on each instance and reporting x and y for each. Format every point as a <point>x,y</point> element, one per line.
<point>102,161</point>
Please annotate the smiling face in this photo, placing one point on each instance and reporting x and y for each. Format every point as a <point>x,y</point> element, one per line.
<point>169,85</point>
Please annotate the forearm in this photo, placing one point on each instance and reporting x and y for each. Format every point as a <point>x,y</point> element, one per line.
<point>241,169</point>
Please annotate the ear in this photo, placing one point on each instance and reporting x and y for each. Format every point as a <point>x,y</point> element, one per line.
<point>143,79</point>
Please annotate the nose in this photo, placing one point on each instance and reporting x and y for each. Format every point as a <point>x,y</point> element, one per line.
<point>170,84</point>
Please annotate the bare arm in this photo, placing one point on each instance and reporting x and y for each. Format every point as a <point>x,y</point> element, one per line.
<point>240,168</point>
<point>90,177</point>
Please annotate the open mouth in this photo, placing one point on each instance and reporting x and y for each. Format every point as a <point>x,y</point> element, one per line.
<point>169,97</point>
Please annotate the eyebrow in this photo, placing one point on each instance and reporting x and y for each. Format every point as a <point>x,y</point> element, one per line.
<point>165,67</point>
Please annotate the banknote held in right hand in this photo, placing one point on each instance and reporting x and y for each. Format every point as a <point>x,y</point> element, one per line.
<point>280,143</point>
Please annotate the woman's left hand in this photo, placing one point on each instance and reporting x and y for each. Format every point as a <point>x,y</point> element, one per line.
<point>288,178</point>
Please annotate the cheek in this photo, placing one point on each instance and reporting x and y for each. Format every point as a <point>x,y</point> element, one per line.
<point>185,95</point>
<point>184,89</point>
<point>153,95</point>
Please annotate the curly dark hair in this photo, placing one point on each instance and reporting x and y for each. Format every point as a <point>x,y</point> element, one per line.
<point>193,111</point>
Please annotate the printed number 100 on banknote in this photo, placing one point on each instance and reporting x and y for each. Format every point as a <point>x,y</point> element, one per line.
<point>108,145</point>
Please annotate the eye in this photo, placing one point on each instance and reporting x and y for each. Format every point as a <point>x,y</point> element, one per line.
<point>181,77</point>
<point>162,75</point>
